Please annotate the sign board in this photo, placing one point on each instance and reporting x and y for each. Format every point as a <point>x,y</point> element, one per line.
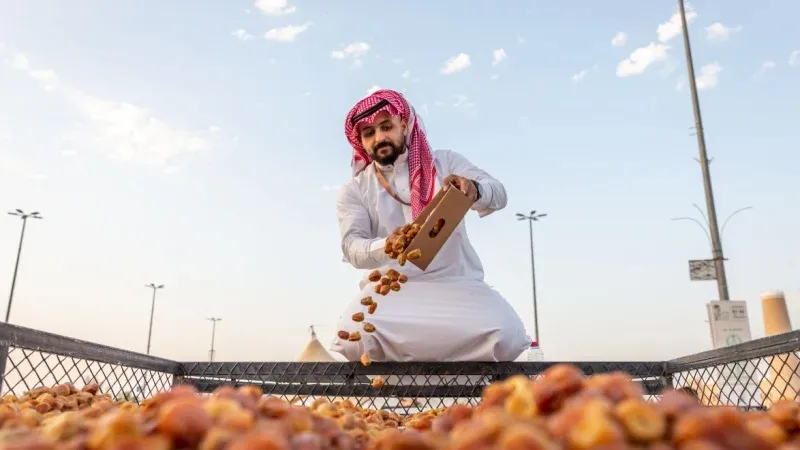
<point>702,270</point>
<point>730,325</point>
<point>729,322</point>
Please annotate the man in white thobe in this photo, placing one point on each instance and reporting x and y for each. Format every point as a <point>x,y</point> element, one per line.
<point>447,312</point>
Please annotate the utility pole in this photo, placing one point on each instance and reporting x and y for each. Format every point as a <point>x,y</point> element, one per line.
<point>533,217</point>
<point>214,321</point>
<point>24,216</point>
<point>154,287</point>
<point>716,245</point>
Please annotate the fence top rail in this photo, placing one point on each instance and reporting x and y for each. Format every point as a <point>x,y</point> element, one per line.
<point>300,370</point>
<point>41,341</point>
<point>758,348</point>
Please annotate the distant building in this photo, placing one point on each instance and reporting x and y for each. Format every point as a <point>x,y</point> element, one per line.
<point>313,352</point>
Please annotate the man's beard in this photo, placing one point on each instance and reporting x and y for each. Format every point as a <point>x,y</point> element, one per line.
<point>391,157</point>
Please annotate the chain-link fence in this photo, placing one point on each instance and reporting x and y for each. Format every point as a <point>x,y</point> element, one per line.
<point>31,358</point>
<point>752,375</point>
<point>407,387</point>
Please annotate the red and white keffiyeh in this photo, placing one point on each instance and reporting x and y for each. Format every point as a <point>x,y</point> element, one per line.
<point>422,173</point>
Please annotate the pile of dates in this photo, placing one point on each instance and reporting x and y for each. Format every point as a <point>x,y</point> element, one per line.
<point>561,409</point>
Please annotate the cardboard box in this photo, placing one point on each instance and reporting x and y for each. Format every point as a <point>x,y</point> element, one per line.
<point>451,205</point>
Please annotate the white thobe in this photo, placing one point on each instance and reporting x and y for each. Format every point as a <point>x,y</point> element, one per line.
<point>445,313</point>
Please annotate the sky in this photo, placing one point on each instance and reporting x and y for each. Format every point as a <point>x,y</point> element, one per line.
<point>199,145</point>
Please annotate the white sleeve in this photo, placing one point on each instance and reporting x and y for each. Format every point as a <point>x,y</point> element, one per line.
<point>493,193</point>
<point>360,247</point>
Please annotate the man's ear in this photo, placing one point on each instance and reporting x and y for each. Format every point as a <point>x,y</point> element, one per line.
<point>404,124</point>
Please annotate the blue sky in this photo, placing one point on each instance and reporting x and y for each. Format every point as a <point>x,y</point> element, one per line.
<point>199,145</point>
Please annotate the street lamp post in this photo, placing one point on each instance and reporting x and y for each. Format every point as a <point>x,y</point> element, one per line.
<point>154,287</point>
<point>214,321</point>
<point>713,228</point>
<point>24,216</point>
<point>533,217</point>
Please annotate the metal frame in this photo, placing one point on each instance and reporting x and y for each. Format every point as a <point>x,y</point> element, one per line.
<point>38,357</point>
<point>424,385</point>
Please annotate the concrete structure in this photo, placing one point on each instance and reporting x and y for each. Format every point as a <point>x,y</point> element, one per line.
<point>783,378</point>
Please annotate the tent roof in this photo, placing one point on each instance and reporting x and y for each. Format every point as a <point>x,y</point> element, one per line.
<point>315,352</point>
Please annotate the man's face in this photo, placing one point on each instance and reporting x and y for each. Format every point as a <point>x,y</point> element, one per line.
<point>385,138</point>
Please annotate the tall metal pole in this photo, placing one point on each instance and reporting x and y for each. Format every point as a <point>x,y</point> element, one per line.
<point>22,215</point>
<point>533,217</point>
<point>719,260</point>
<point>533,287</point>
<point>214,321</point>
<point>154,287</point>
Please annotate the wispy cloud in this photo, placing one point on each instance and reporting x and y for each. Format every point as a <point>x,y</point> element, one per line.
<point>717,32</point>
<point>354,51</point>
<point>655,52</point>
<point>709,76</point>
<point>641,58</point>
<point>619,39</point>
<point>275,7</point>
<point>766,66</point>
<point>674,26</point>
<point>498,56</point>
<point>794,58</point>
<point>286,34</point>
<point>579,76</point>
<point>456,64</point>
<point>119,130</point>
<point>242,34</point>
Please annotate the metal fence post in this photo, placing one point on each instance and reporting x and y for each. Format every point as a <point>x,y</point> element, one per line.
<point>3,359</point>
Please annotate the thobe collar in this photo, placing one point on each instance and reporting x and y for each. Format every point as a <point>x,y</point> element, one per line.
<point>401,161</point>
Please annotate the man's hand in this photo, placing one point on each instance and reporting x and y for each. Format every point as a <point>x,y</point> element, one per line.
<point>466,186</point>
<point>391,238</point>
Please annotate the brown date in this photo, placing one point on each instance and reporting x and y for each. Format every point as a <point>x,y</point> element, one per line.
<point>354,336</point>
<point>414,254</point>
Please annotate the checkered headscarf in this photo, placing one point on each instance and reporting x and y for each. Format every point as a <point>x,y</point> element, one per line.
<point>422,173</point>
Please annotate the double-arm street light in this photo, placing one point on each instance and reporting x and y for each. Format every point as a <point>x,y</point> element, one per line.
<point>706,226</point>
<point>24,216</point>
<point>533,217</point>
<point>722,282</point>
<point>154,287</point>
<point>214,321</point>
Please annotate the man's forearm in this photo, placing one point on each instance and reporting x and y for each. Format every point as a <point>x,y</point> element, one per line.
<point>364,253</point>
<point>492,192</point>
<point>493,196</point>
